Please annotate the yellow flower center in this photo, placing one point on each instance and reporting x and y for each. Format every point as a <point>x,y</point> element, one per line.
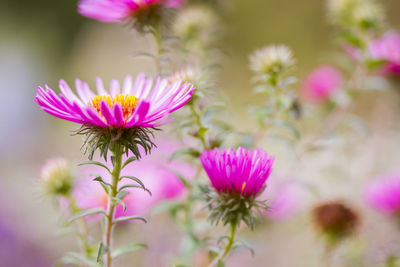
<point>127,102</point>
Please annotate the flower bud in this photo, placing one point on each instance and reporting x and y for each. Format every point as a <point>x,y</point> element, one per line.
<point>56,177</point>
<point>335,220</point>
<point>272,61</point>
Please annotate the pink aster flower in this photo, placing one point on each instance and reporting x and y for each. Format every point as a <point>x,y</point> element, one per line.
<point>142,104</point>
<point>119,10</point>
<point>387,48</point>
<point>158,174</point>
<point>238,177</point>
<point>322,83</point>
<point>384,194</point>
<point>243,172</point>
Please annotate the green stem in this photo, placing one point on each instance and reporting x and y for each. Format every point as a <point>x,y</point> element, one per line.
<point>117,154</point>
<point>199,123</point>
<point>158,42</point>
<point>228,247</point>
<point>83,230</point>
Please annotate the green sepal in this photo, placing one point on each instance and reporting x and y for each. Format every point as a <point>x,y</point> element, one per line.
<point>127,249</point>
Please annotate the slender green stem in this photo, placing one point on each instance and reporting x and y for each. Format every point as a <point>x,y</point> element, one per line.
<point>228,247</point>
<point>83,230</point>
<point>117,164</point>
<point>199,124</point>
<point>157,34</point>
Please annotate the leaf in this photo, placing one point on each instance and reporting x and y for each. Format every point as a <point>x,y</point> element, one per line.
<point>75,258</point>
<point>122,194</point>
<point>120,201</point>
<point>241,243</point>
<point>137,180</point>
<point>127,249</point>
<point>185,151</point>
<point>105,185</point>
<point>87,213</point>
<point>101,251</point>
<point>129,160</point>
<point>92,162</point>
<point>136,186</point>
<point>129,218</point>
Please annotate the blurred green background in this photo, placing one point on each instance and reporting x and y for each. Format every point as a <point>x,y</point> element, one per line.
<point>44,40</point>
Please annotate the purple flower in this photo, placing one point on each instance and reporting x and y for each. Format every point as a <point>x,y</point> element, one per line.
<point>384,194</point>
<point>158,174</point>
<point>141,104</point>
<point>387,48</point>
<point>322,83</point>
<point>119,10</point>
<point>237,172</point>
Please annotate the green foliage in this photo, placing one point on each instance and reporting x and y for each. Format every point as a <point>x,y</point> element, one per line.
<point>87,213</point>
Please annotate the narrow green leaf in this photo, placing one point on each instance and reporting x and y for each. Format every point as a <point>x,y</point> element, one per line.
<point>136,186</point>
<point>129,218</point>
<point>129,160</point>
<point>103,249</point>
<point>122,194</point>
<point>87,213</point>
<point>127,249</point>
<point>92,162</point>
<point>105,185</point>
<point>120,201</point>
<point>137,180</point>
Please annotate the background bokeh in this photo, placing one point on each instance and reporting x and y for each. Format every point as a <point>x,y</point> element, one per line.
<point>44,40</point>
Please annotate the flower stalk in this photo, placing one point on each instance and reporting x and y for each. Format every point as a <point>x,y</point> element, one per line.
<point>117,165</point>
<point>228,247</point>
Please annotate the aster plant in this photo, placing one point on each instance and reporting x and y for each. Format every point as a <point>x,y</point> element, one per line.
<point>119,121</point>
<point>237,177</point>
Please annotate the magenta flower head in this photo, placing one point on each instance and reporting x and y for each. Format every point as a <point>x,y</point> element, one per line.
<point>322,83</point>
<point>387,48</point>
<point>384,194</point>
<point>125,114</point>
<point>142,11</point>
<point>238,177</point>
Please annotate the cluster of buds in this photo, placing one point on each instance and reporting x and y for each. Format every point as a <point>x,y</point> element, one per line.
<point>56,177</point>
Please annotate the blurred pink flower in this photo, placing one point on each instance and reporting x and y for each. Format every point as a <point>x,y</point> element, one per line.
<point>387,48</point>
<point>119,10</point>
<point>157,174</point>
<point>284,199</point>
<point>243,172</point>
<point>322,83</point>
<point>383,194</point>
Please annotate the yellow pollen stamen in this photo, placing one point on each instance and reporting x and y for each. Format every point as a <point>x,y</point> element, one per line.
<point>243,186</point>
<point>128,103</point>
